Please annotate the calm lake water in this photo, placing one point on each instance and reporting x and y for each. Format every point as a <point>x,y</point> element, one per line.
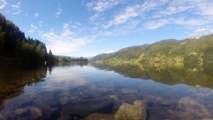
<point>75,92</point>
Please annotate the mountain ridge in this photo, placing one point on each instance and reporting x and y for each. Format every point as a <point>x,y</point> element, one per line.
<point>182,52</point>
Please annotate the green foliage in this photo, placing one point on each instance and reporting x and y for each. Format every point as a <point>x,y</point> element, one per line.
<point>191,61</point>
<point>165,73</point>
<point>14,44</point>
<point>130,52</point>
<point>192,53</point>
<point>208,55</point>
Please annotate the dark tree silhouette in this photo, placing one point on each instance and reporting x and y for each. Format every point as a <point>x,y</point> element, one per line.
<point>51,59</point>
<point>14,46</point>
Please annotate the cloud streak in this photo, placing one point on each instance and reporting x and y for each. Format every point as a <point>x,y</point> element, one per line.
<point>102,5</point>
<point>134,11</point>
<point>3,4</point>
<point>66,41</point>
<point>153,14</point>
<point>123,17</point>
<point>33,28</point>
<point>36,14</point>
<point>16,8</point>
<point>58,11</point>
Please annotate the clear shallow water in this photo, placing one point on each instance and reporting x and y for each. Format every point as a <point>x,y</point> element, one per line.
<point>74,92</point>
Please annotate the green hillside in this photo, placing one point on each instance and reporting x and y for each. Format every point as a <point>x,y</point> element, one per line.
<point>191,52</point>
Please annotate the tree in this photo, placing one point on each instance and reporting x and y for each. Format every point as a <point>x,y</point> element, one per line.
<point>51,59</point>
<point>14,45</point>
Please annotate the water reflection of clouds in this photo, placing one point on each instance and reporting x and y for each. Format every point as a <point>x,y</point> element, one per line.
<point>60,79</point>
<point>68,81</point>
<point>72,86</point>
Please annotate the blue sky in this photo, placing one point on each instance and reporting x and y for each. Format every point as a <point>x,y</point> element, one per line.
<point>90,27</point>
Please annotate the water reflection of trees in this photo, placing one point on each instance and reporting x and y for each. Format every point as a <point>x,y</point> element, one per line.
<point>13,80</point>
<point>66,64</point>
<point>73,63</point>
<point>201,76</point>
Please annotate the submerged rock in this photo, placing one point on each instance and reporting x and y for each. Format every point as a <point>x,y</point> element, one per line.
<point>192,106</point>
<point>1,117</point>
<point>137,111</point>
<point>157,99</point>
<point>86,106</point>
<point>29,112</point>
<point>116,103</point>
<point>129,91</point>
<point>99,116</point>
<point>207,119</point>
<point>64,100</point>
<point>189,109</point>
<point>113,97</point>
<point>35,112</point>
<point>20,111</point>
<point>64,117</point>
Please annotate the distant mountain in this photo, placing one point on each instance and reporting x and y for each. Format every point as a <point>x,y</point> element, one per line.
<point>191,52</point>
<point>16,48</point>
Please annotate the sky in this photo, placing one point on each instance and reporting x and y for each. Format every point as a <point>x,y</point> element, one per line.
<point>90,27</point>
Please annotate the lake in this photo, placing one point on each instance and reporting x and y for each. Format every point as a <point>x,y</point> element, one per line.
<point>78,91</point>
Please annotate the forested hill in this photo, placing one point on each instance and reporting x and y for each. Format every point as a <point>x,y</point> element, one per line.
<point>190,51</point>
<point>15,47</point>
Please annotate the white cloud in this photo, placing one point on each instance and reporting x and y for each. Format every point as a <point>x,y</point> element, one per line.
<point>61,45</point>
<point>3,3</point>
<point>204,30</point>
<point>201,29</point>
<point>66,41</point>
<point>134,11</point>
<point>191,22</point>
<point>127,14</point>
<point>17,12</point>
<point>110,51</point>
<point>58,11</point>
<point>201,7</point>
<point>102,5</point>
<point>72,25</point>
<point>155,24</point>
<point>33,28</point>
<point>16,8</point>
<point>36,14</point>
<point>153,14</point>
<point>198,7</point>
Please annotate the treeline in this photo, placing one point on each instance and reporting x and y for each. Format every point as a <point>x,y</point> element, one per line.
<point>64,60</point>
<point>69,59</point>
<point>190,52</point>
<point>15,47</point>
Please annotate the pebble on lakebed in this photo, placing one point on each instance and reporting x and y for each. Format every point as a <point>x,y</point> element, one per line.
<point>191,109</point>
<point>35,112</point>
<point>126,111</point>
<point>20,111</point>
<point>99,116</point>
<point>1,117</point>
